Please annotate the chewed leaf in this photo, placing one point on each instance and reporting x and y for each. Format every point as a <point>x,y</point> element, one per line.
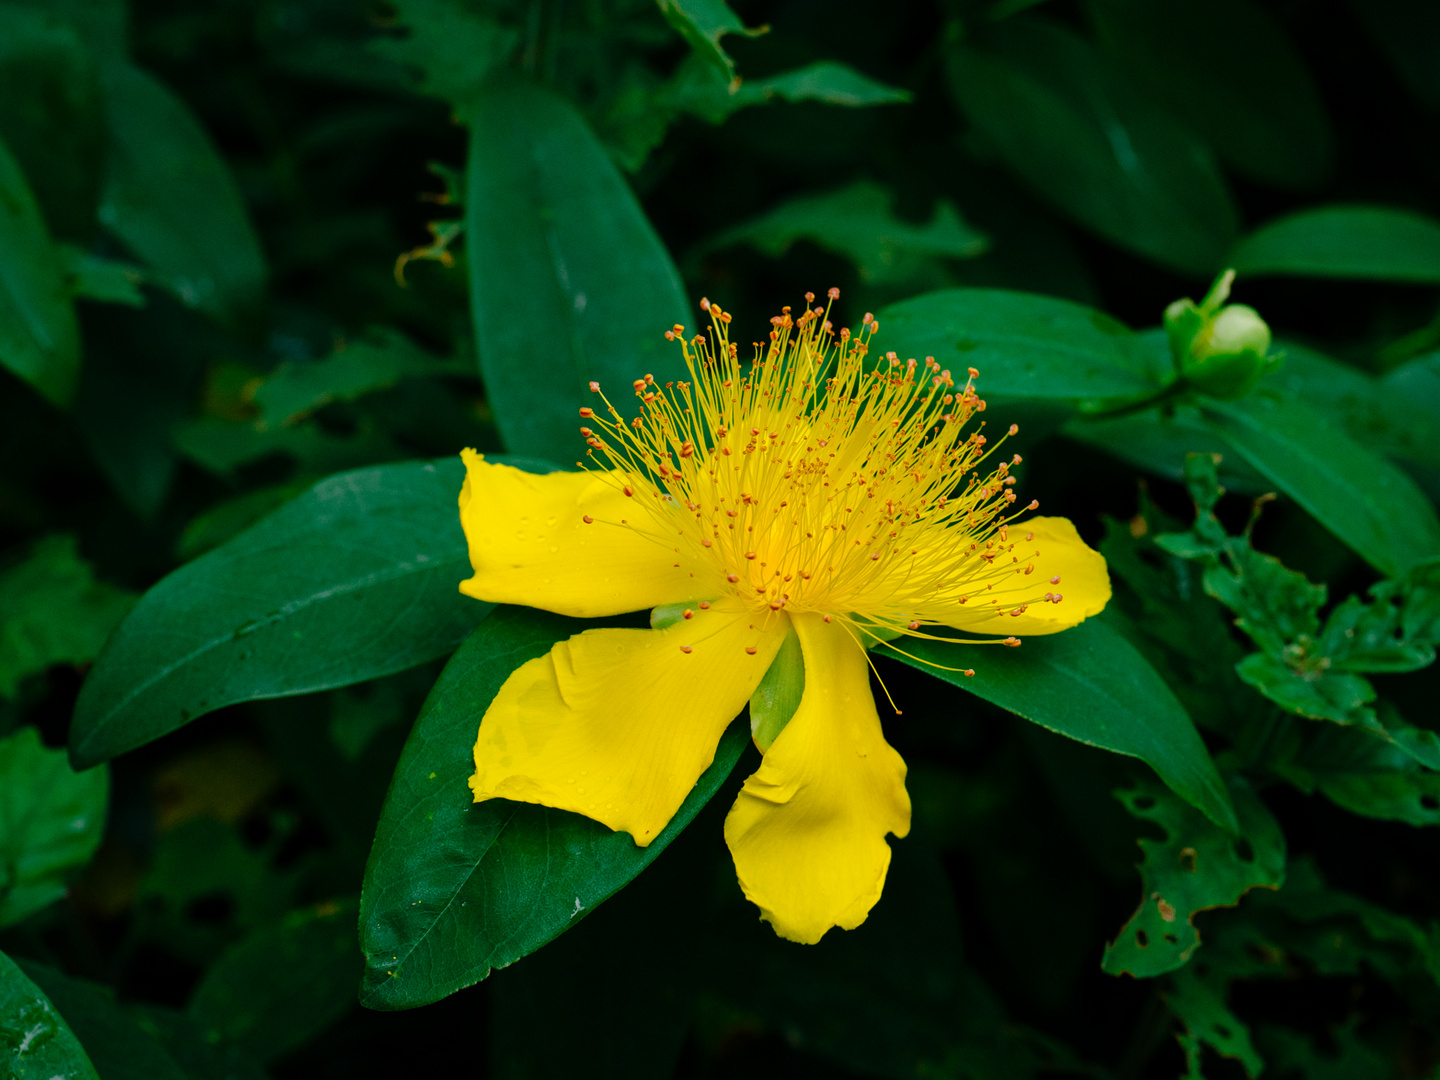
<point>703,23</point>
<point>1196,866</point>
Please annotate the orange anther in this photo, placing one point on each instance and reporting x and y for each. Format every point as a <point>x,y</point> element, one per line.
<point>704,605</point>
<point>594,387</point>
<point>1054,580</point>
<point>751,649</point>
<point>629,491</point>
<point>834,293</point>
<point>732,578</point>
<point>588,519</point>
<point>686,649</point>
<point>687,613</point>
<point>967,672</point>
<point>586,412</point>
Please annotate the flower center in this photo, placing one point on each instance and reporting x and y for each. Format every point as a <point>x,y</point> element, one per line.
<point>813,481</point>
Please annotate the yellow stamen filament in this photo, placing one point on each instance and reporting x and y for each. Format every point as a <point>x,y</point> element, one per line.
<point>818,482</point>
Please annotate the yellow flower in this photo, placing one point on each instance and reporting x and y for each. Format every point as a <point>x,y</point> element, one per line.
<point>803,495</point>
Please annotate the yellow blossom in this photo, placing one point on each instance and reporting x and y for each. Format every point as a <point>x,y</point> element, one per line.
<point>808,495</point>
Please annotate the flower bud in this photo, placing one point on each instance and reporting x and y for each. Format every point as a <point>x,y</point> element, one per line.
<point>1219,349</point>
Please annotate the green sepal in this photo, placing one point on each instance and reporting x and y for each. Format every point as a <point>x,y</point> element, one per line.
<point>778,695</point>
<point>1219,349</point>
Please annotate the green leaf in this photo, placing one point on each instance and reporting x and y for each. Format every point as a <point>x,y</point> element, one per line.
<point>826,81</point>
<point>1376,243</point>
<point>567,277</point>
<point>170,198</point>
<point>1090,684</point>
<point>1025,346</point>
<point>1157,440</point>
<point>120,1048</point>
<point>39,340</point>
<point>454,889</point>
<point>1369,504</point>
<point>53,611</point>
<point>91,277</point>
<point>282,985</point>
<point>454,49</point>
<point>51,819</point>
<point>1374,771</point>
<point>857,222</point>
<point>703,23</point>
<point>1075,131</point>
<point>296,389</point>
<point>775,700</point>
<point>1194,868</point>
<point>355,579</point>
<point>35,1041</point>
<point>52,120</point>
<point>1227,69</point>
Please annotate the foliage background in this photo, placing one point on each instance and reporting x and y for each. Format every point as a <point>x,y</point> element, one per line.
<point>201,210</point>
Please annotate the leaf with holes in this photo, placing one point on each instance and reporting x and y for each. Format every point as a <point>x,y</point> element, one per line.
<point>1195,867</point>
<point>35,1040</point>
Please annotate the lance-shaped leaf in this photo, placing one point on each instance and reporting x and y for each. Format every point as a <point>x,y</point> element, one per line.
<point>1369,504</point>
<point>355,579</point>
<point>1025,346</point>
<point>39,340</point>
<point>1195,867</point>
<point>703,23</point>
<point>568,282</point>
<point>1090,684</point>
<point>1379,243</point>
<point>455,888</point>
<point>51,819</point>
<point>1098,148</point>
<point>35,1041</point>
<point>171,199</point>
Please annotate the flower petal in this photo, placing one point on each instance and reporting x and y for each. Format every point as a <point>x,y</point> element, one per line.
<point>530,544</point>
<point>618,725</point>
<point>1083,585</point>
<point>808,830</point>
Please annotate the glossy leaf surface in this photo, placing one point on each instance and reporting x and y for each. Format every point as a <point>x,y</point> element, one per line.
<point>1369,504</point>
<point>568,282</point>
<point>355,579</point>
<point>1089,683</point>
<point>1369,242</point>
<point>35,1041</point>
<point>455,888</point>
<point>1024,345</point>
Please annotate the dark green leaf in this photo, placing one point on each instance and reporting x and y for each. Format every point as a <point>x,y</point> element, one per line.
<point>1194,868</point>
<point>567,277</point>
<point>170,198</point>
<point>1093,145</point>
<point>39,340</point>
<point>857,223</point>
<point>119,1046</point>
<point>296,389</point>
<point>353,580</point>
<point>1375,771</point>
<point>1374,242</point>
<point>454,889</point>
<point>454,49</point>
<point>703,23</point>
<point>825,81</point>
<point>53,611</point>
<point>35,1041</point>
<point>278,988</point>
<point>50,823</point>
<point>1025,346</point>
<point>1369,504</point>
<point>1157,441</point>
<point>1227,69</point>
<point>52,120</point>
<point>1090,684</point>
<point>91,277</point>
<point>185,1042</point>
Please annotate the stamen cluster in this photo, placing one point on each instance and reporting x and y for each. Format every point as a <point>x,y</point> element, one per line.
<point>818,482</point>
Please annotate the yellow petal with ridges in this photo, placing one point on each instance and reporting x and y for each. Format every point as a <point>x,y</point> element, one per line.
<point>530,544</point>
<point>618,725</point>
<point>1050,549</point>
<point>808,830</point>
